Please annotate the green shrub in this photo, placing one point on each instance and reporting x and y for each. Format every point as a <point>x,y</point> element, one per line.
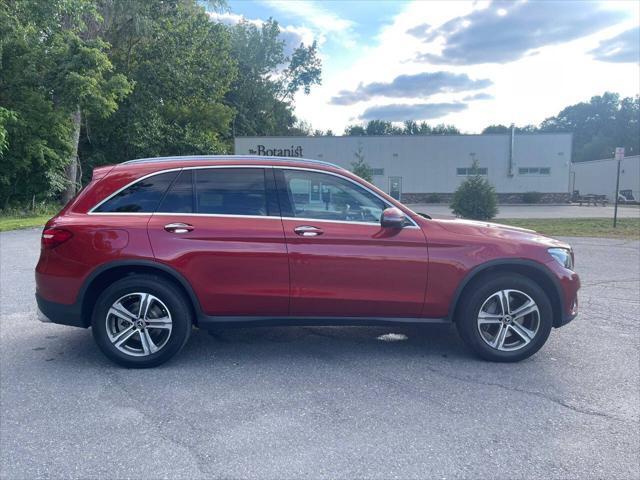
<point>361,167</point>
<point>433,198</point>
<point>531,197</point>
<point>475,198</point>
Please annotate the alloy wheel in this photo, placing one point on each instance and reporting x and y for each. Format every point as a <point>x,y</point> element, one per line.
<point>139,324</point>
<point>508,320</point>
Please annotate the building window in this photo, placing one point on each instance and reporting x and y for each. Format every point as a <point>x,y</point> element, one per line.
<point>470,171</point>
<point>534,171</point>
<point>377,171</point>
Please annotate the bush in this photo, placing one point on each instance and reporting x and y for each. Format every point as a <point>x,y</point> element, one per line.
<point>475,198</point>
<point>433,198</point>
<point>361,167</point>
<point>531,197</point>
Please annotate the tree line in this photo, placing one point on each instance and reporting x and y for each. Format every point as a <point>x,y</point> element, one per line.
<point>599,126</point>
<point>90,82</point>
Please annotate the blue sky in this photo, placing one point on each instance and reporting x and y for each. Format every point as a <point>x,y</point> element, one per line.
<point>470,63</point>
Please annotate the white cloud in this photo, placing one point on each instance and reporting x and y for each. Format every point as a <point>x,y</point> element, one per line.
<point>317,17</point>
<point>526,91</point>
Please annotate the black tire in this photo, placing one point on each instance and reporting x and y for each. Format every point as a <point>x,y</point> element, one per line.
<point>480,291</point>
<point>169,296</point>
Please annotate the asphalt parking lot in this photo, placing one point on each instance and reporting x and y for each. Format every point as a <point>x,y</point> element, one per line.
<point>326,402</point>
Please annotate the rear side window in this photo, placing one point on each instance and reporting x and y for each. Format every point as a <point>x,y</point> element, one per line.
<point>142,197</point>
<point>231,191</point>
<point>179,198</point>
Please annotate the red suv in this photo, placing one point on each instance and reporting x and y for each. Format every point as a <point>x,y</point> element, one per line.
<point>152,247</point>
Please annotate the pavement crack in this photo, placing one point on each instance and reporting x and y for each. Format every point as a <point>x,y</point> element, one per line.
<point>550,398</point>
<point>610,282</point>
<point>156,424</point>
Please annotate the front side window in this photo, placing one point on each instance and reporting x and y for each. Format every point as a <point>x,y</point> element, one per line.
<point>321,196</point>
<point>231,191</point>
<point>141,197</point>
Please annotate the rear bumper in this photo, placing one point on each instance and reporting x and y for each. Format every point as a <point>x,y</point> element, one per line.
<point>59,313</point>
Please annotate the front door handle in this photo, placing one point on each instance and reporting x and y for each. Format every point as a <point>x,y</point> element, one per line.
<point>307,231</point>
<point>178,227</point>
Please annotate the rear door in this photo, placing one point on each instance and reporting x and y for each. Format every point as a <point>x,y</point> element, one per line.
<point>220,227</point>
<point>342,262</point>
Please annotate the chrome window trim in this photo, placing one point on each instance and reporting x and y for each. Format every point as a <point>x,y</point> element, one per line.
<point>222,215</point>
<point>350,222</point>
<point>282,167</point>
<point>389,205</point>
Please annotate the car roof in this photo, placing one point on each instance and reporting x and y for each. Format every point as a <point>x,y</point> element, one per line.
<point>230,160</point>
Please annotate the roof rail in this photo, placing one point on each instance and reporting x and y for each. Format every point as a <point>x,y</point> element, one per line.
<point>231,157</point>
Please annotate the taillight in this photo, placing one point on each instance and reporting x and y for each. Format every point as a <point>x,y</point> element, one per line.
<point>52,237</point>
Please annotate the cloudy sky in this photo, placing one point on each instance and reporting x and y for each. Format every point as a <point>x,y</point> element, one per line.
<point>469,63</point>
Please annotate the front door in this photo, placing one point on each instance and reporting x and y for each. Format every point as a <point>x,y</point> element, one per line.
<point>221,229</point>
<point>342,262</point>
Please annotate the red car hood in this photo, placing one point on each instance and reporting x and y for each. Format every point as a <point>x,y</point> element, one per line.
<point>507,232</point>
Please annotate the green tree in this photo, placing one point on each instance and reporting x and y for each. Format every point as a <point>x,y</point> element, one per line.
<point>409,127</point>
<point>263,91</point>
<point>360,167</point>
<point>354,130</point>
<point>54,70</point>
<point>475,198</point>
<point>496,129</point>
<point>182,67</point>
<point>504,129</point>
<point>599,126</point>
<point>442,129</point>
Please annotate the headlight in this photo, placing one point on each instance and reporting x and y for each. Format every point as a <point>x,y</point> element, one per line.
<point>563,256</point>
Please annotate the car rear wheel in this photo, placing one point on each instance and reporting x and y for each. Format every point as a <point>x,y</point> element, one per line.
<point>141,321</point>
<point>506,318</point>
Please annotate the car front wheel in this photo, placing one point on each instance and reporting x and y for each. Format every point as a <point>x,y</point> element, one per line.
<point>506,318</point>
<point>141,321</point>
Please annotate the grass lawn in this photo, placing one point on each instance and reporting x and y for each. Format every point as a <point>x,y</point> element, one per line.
<point>578,227</point>
<point>14,222</point>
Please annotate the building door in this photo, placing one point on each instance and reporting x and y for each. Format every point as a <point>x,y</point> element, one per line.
<point>395,188</point>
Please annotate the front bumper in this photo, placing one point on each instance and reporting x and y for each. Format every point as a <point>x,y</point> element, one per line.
<point>59,313</point>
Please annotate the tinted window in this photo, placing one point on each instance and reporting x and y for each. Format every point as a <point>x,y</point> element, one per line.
<point>179,198</point>
<point>327,197</point>
<point>142,196</point>
<point>231,191</point>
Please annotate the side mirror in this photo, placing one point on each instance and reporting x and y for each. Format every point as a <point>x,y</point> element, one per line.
<point>392,218</point>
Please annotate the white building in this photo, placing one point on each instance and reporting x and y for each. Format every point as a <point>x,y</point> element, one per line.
<point>598,177</point>
<point>414,168</point>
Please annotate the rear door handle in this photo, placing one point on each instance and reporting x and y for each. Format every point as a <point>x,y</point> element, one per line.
<point>308,231</point>
<point>178,227</point>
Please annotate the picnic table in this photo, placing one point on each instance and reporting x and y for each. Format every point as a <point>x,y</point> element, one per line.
<point>592,198</point>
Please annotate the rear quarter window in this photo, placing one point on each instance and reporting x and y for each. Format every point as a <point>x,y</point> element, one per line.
<point>141,197</point>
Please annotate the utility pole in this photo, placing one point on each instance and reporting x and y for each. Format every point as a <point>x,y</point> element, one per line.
<point>619,157</point>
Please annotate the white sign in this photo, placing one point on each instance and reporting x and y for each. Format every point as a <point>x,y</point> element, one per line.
<point>619,153</point>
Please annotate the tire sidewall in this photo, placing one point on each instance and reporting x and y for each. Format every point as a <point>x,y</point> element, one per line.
<point>168,294</point>
<point>475,298</point>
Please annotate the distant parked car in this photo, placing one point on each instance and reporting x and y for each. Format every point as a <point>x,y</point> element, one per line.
<point>626,196</point>
<point>152,247</point>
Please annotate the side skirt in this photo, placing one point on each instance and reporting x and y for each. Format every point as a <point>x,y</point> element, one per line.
<point>206,322</point>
